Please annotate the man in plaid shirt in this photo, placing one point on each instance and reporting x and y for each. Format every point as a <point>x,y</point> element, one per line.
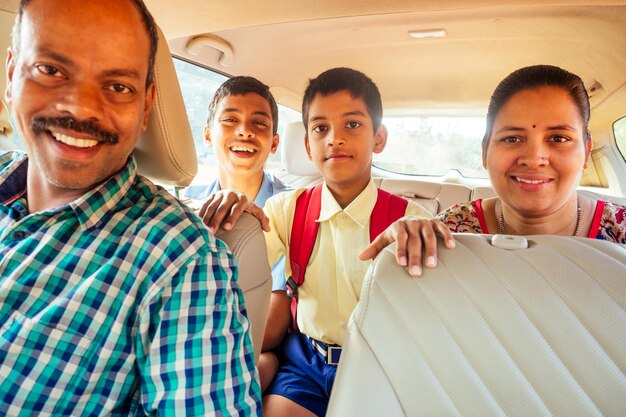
<point>114,298</point>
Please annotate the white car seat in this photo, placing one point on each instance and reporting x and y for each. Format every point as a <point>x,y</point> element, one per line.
<point>491,331</point>
<point>300,171</point>
<point>433,196</point>
<point>247,242</point>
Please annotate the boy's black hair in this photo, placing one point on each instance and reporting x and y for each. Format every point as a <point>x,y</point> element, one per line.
<point>356,83</point>
<point>238,86</point>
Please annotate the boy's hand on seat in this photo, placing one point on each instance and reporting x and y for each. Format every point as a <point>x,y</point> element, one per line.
<point>412,234</point>
<point>223,209</point>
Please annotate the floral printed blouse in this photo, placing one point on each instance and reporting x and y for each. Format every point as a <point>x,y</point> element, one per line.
<point>609,220</point>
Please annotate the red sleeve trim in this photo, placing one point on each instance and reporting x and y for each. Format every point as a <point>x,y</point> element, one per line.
<point>15,197</point>
<point>594,231</point>
<point>481,216</point>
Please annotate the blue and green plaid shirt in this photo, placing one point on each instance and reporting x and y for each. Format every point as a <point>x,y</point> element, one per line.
<point>120,303</point>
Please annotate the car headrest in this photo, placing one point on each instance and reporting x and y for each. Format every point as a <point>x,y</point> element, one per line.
<point>293,152</point>
<point>165,152</point>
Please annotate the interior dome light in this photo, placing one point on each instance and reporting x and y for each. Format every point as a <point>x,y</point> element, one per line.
<point>430,33</point>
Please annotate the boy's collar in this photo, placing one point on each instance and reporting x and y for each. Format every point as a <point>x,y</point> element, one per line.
<point>359,210</point>
<point>240,183</point>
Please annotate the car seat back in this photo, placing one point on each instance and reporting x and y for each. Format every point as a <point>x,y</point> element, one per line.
<point>491,331</point>
<point>247,242</point>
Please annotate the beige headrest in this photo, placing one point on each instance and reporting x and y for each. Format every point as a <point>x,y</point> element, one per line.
<point>165,152</point>
<point>293,151</point>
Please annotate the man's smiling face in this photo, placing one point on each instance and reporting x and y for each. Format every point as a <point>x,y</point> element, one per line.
<point>78,88</point>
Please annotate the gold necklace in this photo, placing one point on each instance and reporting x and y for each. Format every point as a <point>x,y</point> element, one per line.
<point>578,216</point>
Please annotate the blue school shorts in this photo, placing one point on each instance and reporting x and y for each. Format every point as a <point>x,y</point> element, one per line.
<point>304,377</point>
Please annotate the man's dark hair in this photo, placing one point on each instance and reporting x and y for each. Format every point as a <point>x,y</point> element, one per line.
<point>359,85</point>
<point>537,76</point>
<point>238,86</point>
<point>147,18</point>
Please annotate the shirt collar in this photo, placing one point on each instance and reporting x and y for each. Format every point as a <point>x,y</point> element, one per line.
<point>202,192</point>
<point>89,208</point>
<point>359,210</point>
<point>94,205</point>
<point>266,190</point>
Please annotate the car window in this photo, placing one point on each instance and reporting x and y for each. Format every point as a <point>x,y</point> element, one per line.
<point>619,130</point>
<point>433,146</point>
<point>198,85</point>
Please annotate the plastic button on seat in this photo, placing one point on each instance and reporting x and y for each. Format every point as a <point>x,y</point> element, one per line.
<point>509,242</point>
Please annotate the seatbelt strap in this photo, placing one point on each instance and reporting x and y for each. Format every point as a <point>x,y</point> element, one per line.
<point>388,208</point>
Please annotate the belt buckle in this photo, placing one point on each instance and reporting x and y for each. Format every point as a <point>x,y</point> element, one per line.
<point>333,354</point>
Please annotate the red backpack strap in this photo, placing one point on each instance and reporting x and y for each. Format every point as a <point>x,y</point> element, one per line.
<point>388,209</point>
<point>303,235</point>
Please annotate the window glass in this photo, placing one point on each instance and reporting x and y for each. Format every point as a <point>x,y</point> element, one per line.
<point>286,115</point>
<point>433,146</point>
<point>198,85</point>
<point>619,129</point>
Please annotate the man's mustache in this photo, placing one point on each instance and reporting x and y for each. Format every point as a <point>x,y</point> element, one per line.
<point>42,124</point>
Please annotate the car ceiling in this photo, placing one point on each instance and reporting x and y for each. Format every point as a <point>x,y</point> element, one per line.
<point>285,42</point>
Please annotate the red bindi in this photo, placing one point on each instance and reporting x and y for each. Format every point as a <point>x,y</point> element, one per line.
<point>534,126</point>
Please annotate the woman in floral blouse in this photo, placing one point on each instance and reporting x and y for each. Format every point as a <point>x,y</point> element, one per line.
<point>536,146</point>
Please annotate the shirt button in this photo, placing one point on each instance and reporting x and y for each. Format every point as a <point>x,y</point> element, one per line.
<point>19,235</point>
